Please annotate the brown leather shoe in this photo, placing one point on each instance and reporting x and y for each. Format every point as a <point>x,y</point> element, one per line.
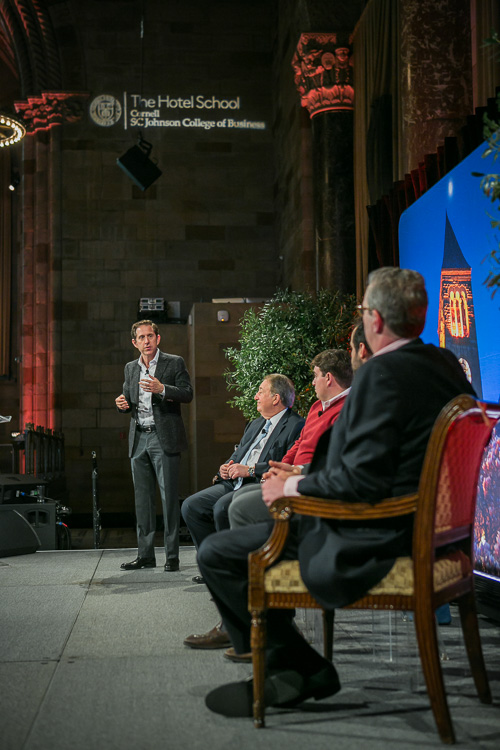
<point>215,638</point>
<point>231,654</point>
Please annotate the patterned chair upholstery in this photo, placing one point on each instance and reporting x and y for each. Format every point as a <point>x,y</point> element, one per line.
<point>444,509</point>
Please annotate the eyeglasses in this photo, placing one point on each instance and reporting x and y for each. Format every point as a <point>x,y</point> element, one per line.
<point>361,309</point>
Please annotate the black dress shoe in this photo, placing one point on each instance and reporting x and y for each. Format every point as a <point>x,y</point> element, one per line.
<point>236,698</point>
<point>171,565</point>
<point>198,579</point>
<point>283,689</point>
<point>138,563</point>
<point>321,684</point>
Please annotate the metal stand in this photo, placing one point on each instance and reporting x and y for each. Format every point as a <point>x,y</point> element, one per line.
<point>95,503</point>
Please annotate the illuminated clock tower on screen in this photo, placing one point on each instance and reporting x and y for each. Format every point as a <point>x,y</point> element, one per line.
<point>457,324</point>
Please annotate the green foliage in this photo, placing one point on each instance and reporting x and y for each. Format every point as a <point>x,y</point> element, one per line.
<point>283,336</point>
<point>493,44</point>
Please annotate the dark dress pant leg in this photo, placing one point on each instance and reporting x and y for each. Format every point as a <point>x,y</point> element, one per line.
<point>166,467</point>
<point>144,478</point>
<point>223,562</point>
<point>198,511</point>
<point>221,511</point>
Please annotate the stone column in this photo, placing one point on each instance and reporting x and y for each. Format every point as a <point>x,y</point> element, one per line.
<point>323,75</point>
<point>40,280</point>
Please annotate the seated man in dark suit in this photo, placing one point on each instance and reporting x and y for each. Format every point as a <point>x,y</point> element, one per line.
<point>267,437</point>
<point>375,450</point>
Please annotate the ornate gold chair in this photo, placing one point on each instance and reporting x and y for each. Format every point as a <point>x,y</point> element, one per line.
<point>444,509</point>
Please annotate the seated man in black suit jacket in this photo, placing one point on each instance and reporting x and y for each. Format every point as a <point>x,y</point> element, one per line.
<point>376,450</point>
<point>267,437</point>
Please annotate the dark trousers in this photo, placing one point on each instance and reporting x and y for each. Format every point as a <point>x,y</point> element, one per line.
<point>223,562</point>
<point>207,511</point>
<point>150,464</point>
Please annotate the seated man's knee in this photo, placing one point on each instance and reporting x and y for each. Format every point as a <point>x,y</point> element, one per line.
<point>231,515</point>
<point>234,514</point>
<point>208,551</point>
<point>221,509</point>
<point>188,508</point>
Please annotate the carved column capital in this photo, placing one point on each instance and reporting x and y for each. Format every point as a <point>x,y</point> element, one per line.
<point>49,109</point>
<point>322,66</point>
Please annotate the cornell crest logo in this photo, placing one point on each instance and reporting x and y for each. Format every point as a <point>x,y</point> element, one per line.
<point>105,110</point>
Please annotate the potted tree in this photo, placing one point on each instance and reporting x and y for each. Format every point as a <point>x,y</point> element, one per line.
<point>284,336</point>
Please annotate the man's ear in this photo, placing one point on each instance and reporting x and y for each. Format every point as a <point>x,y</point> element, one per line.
<point>378,321</point>
<point>134,343</point>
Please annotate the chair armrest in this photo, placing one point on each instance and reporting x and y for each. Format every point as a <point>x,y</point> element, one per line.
<point>283,508</point>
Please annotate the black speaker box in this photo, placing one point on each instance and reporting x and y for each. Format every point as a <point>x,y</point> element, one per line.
<point>17,536</point>
<point>136,164</point>
<point>42,518</point>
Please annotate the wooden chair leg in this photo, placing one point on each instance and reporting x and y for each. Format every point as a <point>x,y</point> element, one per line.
<point>258,638</point>
<point>328,620</point>
<point>470,628</point>
<point>425,628</point>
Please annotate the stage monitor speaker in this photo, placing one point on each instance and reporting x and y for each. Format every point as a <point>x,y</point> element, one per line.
<point>42,518</point>
<point>137,165</point>
<point>17,536</point>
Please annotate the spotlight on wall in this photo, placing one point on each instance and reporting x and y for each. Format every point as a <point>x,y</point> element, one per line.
<point>14,181</point>
<point>138,166</point>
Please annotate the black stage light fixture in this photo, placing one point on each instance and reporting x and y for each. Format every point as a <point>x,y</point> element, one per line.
<point>138,166</point>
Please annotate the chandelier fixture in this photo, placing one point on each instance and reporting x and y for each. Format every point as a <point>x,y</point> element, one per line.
<point>11,130</point>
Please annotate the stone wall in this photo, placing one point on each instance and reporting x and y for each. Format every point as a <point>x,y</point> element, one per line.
<point>203,230</point>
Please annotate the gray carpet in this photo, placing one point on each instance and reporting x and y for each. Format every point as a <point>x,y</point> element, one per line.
<point>92,657</point>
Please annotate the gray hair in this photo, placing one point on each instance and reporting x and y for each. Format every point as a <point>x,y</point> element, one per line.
<point>281,386</point>
<point>400,297</point>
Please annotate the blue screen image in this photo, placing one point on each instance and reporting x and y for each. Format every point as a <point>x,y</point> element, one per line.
<point>447,236</point>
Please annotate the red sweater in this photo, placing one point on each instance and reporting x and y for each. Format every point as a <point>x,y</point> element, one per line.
<point>317,423</point>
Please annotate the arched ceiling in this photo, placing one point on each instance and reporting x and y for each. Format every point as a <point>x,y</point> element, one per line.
<point>36,36</point>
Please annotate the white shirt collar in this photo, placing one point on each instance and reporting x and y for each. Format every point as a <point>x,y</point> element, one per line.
<point>327,404</point>
<point>274,420</point>
<point>392,346</point>
<point>153,362</point>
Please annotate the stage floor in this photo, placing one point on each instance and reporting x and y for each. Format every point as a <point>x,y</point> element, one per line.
<point>92,657</point>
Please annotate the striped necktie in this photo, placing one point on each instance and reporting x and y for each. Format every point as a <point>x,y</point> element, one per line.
<point>254,451</point>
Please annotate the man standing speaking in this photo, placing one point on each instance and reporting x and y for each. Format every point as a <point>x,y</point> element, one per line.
<point>155,386</point>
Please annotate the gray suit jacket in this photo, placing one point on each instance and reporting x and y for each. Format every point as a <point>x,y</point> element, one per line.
<point>171,372</point>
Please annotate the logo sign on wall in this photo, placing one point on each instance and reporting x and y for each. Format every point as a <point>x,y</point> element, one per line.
<point>164,111</point>
<point>105,110</point>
